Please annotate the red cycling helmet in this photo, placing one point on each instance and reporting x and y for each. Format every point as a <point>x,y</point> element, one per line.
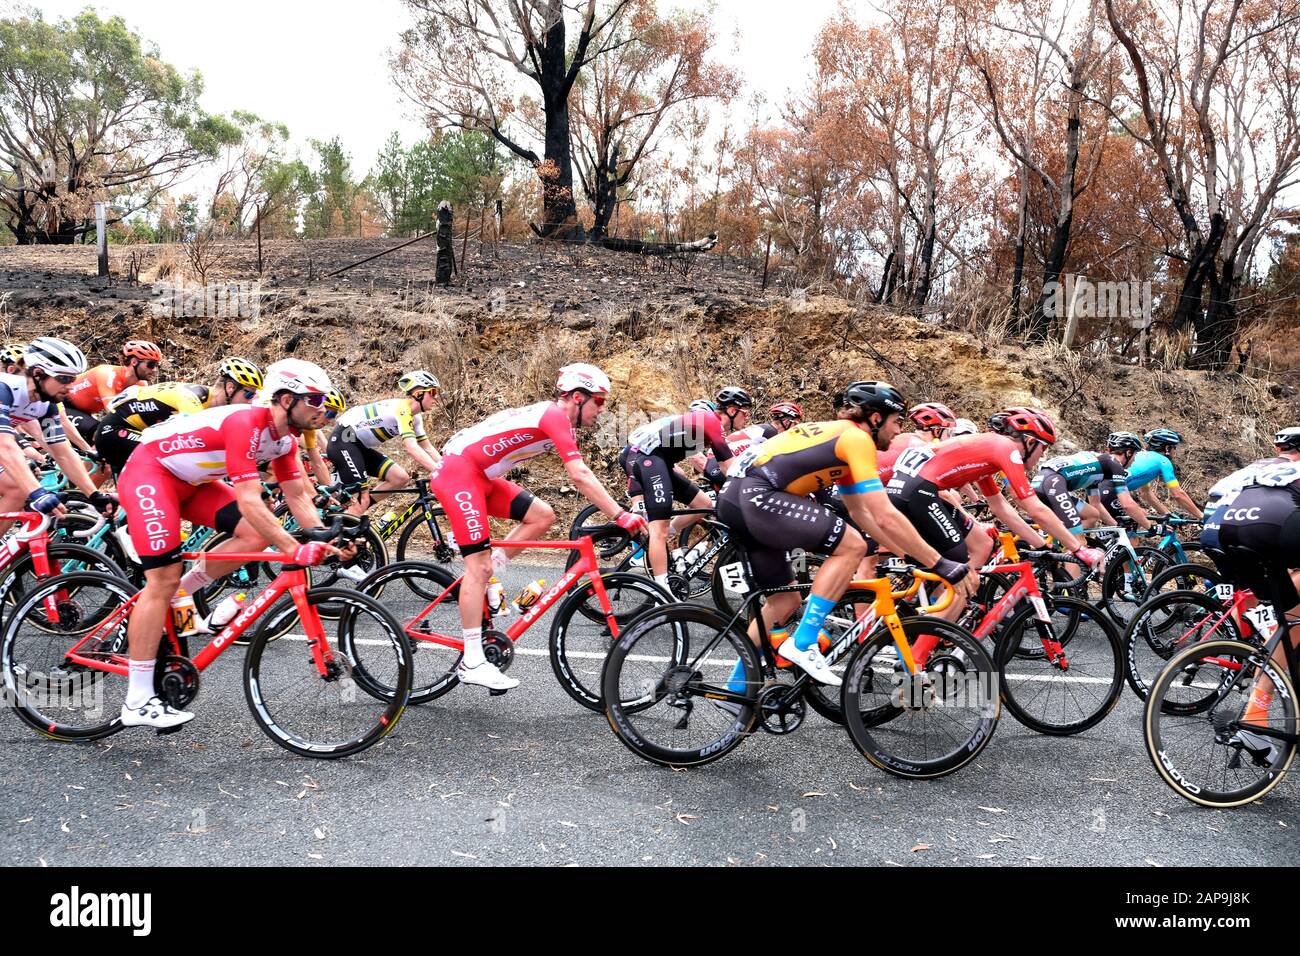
<point>786,410</point>
<point>1030,421</point>
<point>138,348</point>
<point>932,415</point>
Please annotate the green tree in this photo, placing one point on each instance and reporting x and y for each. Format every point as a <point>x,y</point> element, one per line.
<point>465,168</point>
<point>89,112</point>
<point>331,193</point>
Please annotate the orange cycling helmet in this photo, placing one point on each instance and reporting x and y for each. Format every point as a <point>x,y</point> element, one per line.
<point>1030,421</point>
<point>932,415</point>
<point>140,349</point>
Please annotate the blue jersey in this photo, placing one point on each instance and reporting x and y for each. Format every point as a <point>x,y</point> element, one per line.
<point>1082,470</point>
<point>1147,466</point>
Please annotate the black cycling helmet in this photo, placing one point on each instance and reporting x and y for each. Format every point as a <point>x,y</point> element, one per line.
<point>1288,439</point>
<point>874,397</point>
<point>732,395</point>
<point>1124,441</point>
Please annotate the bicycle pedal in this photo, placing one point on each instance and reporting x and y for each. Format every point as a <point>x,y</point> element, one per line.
<point>170,730</point>
<point>497,693</point>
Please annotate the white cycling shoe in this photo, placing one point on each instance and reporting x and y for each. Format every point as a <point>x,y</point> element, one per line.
<point>155,714</point>
<point>485,675</point>
<point>810,661</point>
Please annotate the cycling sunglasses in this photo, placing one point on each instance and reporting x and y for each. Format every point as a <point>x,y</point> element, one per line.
<point>64,379</point>
<point>419,395</point>
<point>315,400</point>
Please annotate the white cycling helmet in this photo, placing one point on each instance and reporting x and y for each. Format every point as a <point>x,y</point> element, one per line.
<point>297,376</point>
<point>55,357</point>
<point>964,426</point>
<point>586,377</point>
<point>418,379</point>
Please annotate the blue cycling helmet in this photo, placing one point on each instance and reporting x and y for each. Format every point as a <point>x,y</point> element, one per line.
<point>1162,439</point>
<point>703,405</point>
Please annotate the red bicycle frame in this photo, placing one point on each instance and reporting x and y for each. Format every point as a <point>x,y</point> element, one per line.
<point>586,564</point>
<point>33,538</point>
<point>293,581</point>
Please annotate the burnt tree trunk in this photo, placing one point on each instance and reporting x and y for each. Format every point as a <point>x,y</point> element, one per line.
<point>605,194</point>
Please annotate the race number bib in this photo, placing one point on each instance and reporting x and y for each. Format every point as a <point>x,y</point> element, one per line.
<point>733,578</point>
<point>911,461</point>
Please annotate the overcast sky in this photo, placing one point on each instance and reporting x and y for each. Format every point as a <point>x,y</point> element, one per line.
<point>322,67</point>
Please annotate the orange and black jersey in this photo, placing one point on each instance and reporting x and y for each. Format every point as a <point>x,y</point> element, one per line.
<point>813,456</point>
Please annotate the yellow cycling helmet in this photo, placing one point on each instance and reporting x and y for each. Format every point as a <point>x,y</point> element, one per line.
<point>12,352</point>
<point>334,401</point>
<point>242,372</point>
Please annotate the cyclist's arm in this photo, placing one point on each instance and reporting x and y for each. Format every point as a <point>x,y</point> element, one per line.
<point>1004,512</point>
<point>35,449</point>
<point>1132,508</point>
<point>876,514</point>
<point>591,488</point>
<point>319,469</point>
<point>1147,495</point>
<point>15,466</point>
<point>248,495</point>
<point>424,454</point>
<point>1185,500</point>
<point>70,464</point>
<point>70,431</point>
<point>298,496</point>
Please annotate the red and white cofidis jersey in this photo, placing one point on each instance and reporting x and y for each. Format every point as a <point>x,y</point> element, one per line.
<point>959,461</point>
<point>227,442</point>
<point>509,438</point>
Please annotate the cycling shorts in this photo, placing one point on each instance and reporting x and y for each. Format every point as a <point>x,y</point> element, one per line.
<point>156,502</point>
<point>1267,521</point>
<point>1053,492</point>
<point>354,463</point>
<point>83,422</point>
<point>771,523</point>
<point>115,440</point>
<point>470,497</point>
<point>660,482</point>
<point>940,524</point>
<point>1108,492</point>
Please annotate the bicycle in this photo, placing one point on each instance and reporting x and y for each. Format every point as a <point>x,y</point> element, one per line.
<point>1196,707</point>
<point>664,704</point>
<point>573,647</point>
<point>31,554</point>
<point>65,676</point>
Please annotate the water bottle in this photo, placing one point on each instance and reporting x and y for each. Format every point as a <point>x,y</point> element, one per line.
<point>697,552</point>
<point>677,560</point>
<point>529,595</point>
<point>227,611</point>
<point>451,542</point>
<point>386,521</point>
<point>496,596</point>
<point>185,618</point>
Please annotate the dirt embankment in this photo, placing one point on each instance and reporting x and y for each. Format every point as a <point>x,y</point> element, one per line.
<point>663,338</point>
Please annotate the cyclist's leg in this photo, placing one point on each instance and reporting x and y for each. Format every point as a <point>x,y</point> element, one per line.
<point>12,498</point>
<point>655,476</point>
<point>349,463</point>
<point>942,527</point>
<point>389,475</point>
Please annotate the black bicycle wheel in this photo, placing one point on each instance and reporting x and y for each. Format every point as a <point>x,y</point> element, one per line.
<point>420,542</point>
<point>594,522</point>
<point>1195,749</point>
<point>731,585</point>
<point>656,693</point>
<point>581,636</point>
<point>1125,582</point>
<point>65,558</point>
<point>332,713</point>
<point>848,622</point>
<point>1163,626</point>
<point>405,589</point>
<point>930,724</point>
<point>615,551</point>
<point>55,697</point>
<point>1075,690</point>
<point>1185,577</point>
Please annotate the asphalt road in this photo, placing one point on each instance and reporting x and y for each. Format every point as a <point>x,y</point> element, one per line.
<point>532,778</point>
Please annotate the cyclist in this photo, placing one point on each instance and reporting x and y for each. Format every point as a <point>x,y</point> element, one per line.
<point>471,487</point>
<point>1058,477</point>
<point>766,503</point>
<point>177,474</point>
<point>91,392</point>
<point>50,366</point>
<point>1153,462</point>
<point>355,443</point>
<point>1258,508</point>
<point>651,458</point>
<point>1015,441</point>
<point>142,406</point>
